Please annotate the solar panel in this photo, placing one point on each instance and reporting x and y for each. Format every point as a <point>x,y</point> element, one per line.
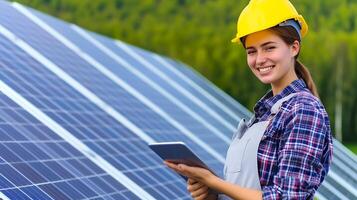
<point>92,104</point>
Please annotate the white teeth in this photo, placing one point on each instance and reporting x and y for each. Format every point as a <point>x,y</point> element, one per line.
<point>265,69</point>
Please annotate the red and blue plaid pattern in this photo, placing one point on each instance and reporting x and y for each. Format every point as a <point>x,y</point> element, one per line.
<point>296,150</point>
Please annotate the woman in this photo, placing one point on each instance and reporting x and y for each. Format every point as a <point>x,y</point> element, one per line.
<point>285,150</point>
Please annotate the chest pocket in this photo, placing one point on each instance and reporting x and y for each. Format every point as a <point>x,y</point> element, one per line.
<point>236,154</point>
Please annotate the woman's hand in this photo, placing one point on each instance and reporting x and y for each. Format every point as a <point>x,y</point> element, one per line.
<point>200,191</point>
<point>196,173</point>
<point>197,180</point>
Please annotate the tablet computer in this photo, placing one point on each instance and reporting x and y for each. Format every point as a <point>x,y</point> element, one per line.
<point>178,152</point>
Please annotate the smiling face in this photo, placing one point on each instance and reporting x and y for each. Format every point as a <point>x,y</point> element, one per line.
<point>271,59</point>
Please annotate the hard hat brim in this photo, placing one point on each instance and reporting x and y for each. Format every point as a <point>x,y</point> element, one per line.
<point>235,40</point>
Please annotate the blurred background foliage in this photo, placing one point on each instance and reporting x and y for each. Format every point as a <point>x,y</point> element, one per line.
<point>198,33</point>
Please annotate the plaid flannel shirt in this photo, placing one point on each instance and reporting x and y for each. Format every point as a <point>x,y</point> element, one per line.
<point>295,152</point>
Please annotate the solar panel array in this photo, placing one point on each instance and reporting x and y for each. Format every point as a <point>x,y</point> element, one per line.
<point>78,110</point>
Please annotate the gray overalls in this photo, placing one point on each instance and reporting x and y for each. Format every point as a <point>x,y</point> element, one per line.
<point>241,165</point>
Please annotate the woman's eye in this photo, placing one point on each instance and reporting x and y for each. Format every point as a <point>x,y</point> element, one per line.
<point>271,48</point>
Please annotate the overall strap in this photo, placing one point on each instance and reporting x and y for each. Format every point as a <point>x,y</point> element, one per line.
<point>276,107</point>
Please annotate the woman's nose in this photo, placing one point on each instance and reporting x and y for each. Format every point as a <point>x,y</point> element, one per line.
<point>261,59</point>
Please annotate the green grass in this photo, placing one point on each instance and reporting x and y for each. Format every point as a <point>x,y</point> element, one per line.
<point>352,147</point>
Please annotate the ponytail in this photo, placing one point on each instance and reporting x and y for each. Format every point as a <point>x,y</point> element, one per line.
<point>303,73</point>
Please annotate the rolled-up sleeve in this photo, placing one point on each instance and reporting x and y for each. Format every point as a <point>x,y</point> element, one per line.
<point>300,166</point>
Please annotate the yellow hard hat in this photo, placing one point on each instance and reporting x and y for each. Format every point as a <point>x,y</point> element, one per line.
<point>259,15</point>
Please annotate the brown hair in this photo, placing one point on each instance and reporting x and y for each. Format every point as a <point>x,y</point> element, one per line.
<point>288,34</point>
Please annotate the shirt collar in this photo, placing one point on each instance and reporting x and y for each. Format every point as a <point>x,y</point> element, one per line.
<point>268,100</point>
